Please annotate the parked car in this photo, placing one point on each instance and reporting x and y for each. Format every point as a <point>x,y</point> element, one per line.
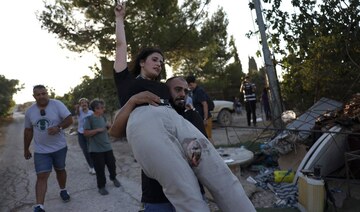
<point>222,112</point>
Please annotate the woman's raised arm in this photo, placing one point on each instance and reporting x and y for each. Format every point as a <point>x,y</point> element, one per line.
<point>121,47</point>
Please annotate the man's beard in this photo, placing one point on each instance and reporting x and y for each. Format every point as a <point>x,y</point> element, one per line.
<point>178,104</point>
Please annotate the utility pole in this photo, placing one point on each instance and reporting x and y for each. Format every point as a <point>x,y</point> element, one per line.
<point>275,98</point>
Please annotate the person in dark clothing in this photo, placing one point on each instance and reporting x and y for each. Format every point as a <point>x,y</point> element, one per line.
<point>248,89</point>
<point>199,97</point>
<point>265,104</point>
<point>237,105</point>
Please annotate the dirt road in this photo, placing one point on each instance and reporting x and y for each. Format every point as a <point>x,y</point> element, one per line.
<point>17,175</point>
<point>17,178</point>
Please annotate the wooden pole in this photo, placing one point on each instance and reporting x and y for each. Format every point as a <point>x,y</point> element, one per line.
<point>275,98</point>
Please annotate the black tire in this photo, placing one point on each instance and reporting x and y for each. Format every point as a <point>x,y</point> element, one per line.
<point>224,117</point>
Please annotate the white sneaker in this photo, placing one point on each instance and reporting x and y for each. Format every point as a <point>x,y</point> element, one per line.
<point>92,171</point>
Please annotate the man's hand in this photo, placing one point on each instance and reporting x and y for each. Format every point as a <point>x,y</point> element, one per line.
<point>99,130</point>
<point>206,121</point>
<point>27,154</point>
<point>145,97</point>
<point>53,130</point>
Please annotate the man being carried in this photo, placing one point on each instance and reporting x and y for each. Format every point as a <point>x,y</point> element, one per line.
<point>153,196</point>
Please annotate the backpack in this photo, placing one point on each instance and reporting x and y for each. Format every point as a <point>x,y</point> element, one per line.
<point>210,103</point>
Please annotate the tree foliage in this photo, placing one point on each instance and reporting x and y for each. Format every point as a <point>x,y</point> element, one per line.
<point>319,46</point>
<point>185,33</point>
<point>92,88</point>
<point>193,42</point>
<point>8,88</point>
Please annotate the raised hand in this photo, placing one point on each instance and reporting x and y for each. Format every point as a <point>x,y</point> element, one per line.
<point>120,10</point>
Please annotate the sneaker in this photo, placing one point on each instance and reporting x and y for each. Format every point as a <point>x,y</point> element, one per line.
<point>116,183</point>
<point>103,191</point>
<point>65,196</point>
<point>38,209</point>
<point>92,171</point>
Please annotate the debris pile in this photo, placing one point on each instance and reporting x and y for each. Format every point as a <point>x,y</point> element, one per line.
<point>352,109</point>
<point>348,116</point>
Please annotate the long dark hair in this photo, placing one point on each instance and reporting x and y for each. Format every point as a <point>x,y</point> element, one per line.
<point>144,53</point>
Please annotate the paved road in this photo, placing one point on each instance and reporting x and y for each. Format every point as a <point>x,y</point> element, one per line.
<point>17,178</point>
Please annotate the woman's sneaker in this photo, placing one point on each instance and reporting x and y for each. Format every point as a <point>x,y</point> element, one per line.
<point>92,171</point>
<point>65,196</point>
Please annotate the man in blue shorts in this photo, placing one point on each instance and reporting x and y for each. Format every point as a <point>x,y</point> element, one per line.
<point>44,122</point>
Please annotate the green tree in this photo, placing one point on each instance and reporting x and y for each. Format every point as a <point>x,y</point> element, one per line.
<point>234,73</point>
<point>185,33</point>
<point>192,41</point>
<point>209,60</point>
<point>8,88</point>
<point>253,69</point>
<point>319,46</point>
<point>92,88</point>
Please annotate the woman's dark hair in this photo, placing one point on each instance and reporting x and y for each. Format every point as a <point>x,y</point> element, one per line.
<point>190,79</point>
<point>144,53</point>
<point>95,103</point>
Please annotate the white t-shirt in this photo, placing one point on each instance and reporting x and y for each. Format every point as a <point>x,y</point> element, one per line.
<point>55,113</point>
<point>81,119</point>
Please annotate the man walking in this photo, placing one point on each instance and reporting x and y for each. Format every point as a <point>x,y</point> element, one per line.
<point>200,103</point>
<point>45,121</point>
<point>248,89</point>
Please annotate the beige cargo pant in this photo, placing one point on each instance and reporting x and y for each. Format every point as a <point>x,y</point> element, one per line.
<point>156,135</point>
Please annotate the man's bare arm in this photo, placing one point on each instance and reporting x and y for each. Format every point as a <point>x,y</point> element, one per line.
<point>28,136</point>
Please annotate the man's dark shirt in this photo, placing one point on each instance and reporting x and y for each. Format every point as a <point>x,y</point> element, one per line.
<point>199,95</point>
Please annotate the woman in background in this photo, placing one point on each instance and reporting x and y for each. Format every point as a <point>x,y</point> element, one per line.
<point>83,111</point>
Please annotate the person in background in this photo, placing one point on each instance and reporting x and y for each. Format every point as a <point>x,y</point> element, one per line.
<point>83,111</point>
<point>199,97</point>
<point>45,122</point>
<point>265,103</point>
<point>237,105</point>
<point>248,89</point>
<point>189,102</point>
<point>95,128</point>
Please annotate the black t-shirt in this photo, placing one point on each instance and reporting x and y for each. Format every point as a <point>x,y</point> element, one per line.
<point>128,86</point>
<point>199,95</point>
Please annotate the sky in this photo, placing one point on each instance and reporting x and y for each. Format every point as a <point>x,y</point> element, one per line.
<point>33,56</point>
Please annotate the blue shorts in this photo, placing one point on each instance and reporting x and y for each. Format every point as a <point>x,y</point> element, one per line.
<point>45,161</point>
<point>158,207</point>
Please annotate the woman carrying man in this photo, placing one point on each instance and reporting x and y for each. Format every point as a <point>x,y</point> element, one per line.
<point>167,147</point>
